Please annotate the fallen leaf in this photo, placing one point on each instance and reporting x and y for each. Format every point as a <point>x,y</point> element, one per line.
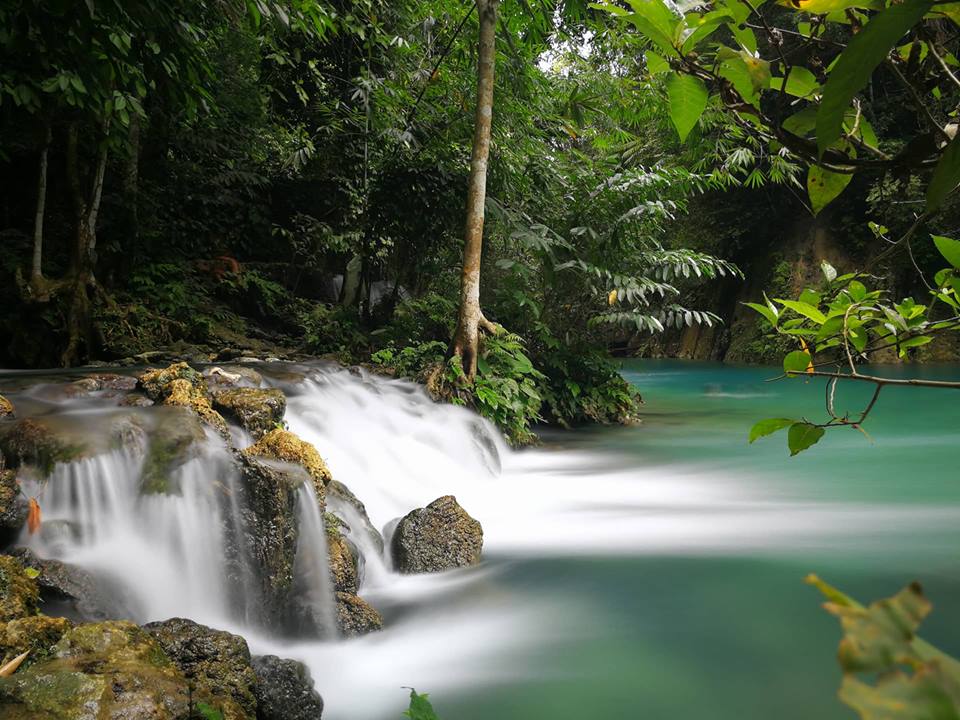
<point>11,667</point>
<point>33,516</point>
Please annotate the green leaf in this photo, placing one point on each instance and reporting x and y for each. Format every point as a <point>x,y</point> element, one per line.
<point>823,186</point>
<point>800,83</point>
<point>656,65</point>
<point>949,248</point>
<point>852,71</point>
<point>796,362</point>
<point>420,708</point>
<point>768,427</point>
<point>687,98</point>
<point>31,572</point>
<point>802,436</point>
<point>804,309</point>
<point>768,313</point>
<point>946,176</point>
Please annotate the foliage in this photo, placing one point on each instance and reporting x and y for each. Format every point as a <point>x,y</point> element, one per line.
<point>841,323</point>
<point>888,671</point>
<point>420,708</point>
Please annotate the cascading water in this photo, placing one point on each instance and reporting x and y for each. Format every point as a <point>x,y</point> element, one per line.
<point>453,634</point>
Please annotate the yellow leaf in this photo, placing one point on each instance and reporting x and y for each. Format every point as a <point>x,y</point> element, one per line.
<point>612,297</point>
<point>11,667</point>
<point>33,516</point>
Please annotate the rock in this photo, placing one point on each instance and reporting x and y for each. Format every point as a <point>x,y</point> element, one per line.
<point>176,438</point>
<point>40,443</point>
<point>13,506</point>
<point>110,670</point>
<point>182,386</point>
<point>348,507</point>
<point>6,408</point>
<point>108,383</point>
<point>270,519</point>
<point>280,444</point>
<point>355,616</point>
<point>19,594</point>
<point>233,376</point>
<point>343,561</point>
<point>285,690</point>
<point>438,537</point>
<point>216,664</point>
<point>69,588</point>
<point>136,400</point>
<point>36,634</point>
<point>257,410</point>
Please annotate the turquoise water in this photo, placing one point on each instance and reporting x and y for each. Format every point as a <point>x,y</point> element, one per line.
<point>721,626</point>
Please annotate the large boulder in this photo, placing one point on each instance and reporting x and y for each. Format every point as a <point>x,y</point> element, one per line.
<point>40,443</point>
<point>110,670</point>
<point>285,690</point>
<point>257,410</point>
<point>343,558</point>
<point>355,616</point>
<point>283,445</point>
<point>70,589</point>
<point>216,664</point>
<point>182,386</point>
<point>19,594</point>
<point>441,536</point>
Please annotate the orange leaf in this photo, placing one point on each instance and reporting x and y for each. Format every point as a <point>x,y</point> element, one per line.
<point>33,516</point>
<point>806,348</point>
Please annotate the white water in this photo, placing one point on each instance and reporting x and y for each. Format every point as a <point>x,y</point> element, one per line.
<point>396,450</point>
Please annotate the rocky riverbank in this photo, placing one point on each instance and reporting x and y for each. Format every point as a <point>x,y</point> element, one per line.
<point>70,646</point>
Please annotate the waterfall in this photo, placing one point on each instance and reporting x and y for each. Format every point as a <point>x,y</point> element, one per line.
<point>314,586</point>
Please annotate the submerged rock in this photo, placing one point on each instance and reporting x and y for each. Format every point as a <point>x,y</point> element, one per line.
<point>176,439</point>
<point>215,663</point>
<point>257,410</point>
<point>340,499</point>
<point>438,537</point>
<point>110,670</point>
<point>40,443</point>
<point>182,386</point>
<point>285,690</point>
<point>355,616</point>
<point>6,408</point>
<point>19,594</point>
<point>280,444</point>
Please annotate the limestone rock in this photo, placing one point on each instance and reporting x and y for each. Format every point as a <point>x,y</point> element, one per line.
<point>285,690</point>
<point>257,410</point>
<point>355,616</point>
<point>438,537</point>
<point>216,664</point>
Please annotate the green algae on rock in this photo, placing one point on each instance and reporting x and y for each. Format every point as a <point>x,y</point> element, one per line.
<point>280,444</point>
<point>19,594</point>
<point>258,410</point>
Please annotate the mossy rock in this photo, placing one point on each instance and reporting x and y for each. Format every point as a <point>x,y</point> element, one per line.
<point>6,408</point>
<point>13,506</point>
<point>343,560</point>
<point>339,499</point>
<point>176,439</point>
<point>285,690</point>
<point>19,594</point>
<point>71,589</point>
<point>112,670</point>
<point>216,664</point>
<point>39,443</point>
<point>355,616</point>
<point>280,444</point>
<point>441,536</point>
<point>257,410</point>
<point>155,382</point>
<point>181,386</point>
<point>36,634</point>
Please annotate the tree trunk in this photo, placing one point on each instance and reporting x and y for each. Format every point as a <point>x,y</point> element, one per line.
<point>36,270</point>
<point>467,338</point>
<point>131,199</point>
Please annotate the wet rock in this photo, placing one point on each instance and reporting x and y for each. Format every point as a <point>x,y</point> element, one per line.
<point>257,410</point>
<point>110,670</point>
<point>344,568</point>
<point>176,439</point>
<point>36,634</point>
<point>13,506</point>
<point>285,690</point>
<point>39,443</point>
<point>438,537</point>
<point>355,616</point>
<point>19,594</point>
<point>6,408</point>
<point>280,444</point>
<point>136,400</point>
<point>181,386</point>
<point>341,501</point>
<point>215,663</point>
<point>270,517</point>
<point>233,376</point>
<point>107,383</point>
<point>69,588</point>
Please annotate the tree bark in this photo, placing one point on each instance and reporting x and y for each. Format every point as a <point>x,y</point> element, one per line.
<point>466,340</point>
<point>36,270</point>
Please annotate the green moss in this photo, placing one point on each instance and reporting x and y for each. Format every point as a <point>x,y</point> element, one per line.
<point>19,594</point>
<point>38,443</point>
<point>280,444</point>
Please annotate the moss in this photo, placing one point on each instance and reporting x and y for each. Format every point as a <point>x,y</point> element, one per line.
<point>280,444</point>
<point>343,562</point>
<point>154,382</point>
<point>36,634</point>
<point>6,407</point>
<point>173,442</point>
<point>39,443</point>
<point>19,594</point>
<point>181,393</point>
<point>257,410</point>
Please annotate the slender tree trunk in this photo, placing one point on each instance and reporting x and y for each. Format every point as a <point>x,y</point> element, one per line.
<point>131,198</point>
<point>36,270</point>
<point>467,338</point>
